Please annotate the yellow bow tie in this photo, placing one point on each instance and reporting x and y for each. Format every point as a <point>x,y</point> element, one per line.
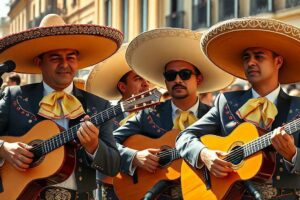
<point>183,120</point>
<point>58,105</point>
<point>257,111</point>
<point>123,121</point>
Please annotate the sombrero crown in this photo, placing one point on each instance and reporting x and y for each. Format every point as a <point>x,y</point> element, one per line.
<point>94,43</point>
<point>150,51</point>
<point>104,77</point>
<point>225,42</point>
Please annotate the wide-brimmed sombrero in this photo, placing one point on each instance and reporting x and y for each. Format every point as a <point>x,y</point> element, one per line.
<point>149,52</point>
<point>224,44</point>
<point>104,77</point>
<point>94,43</point>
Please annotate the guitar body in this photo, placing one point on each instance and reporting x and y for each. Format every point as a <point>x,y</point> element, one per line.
<point>124,185</point>
<point>54,168</point>
<point>259,166</point>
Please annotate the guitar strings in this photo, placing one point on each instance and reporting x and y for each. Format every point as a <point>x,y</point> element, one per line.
<point>233,155</point>
<point>167,152</point>
<point>257,143</point>
<point>65,134</point>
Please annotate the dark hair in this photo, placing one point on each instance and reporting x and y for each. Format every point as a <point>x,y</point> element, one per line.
<point>123,79</point>
<point>197,71</point>
<point>15,78</point>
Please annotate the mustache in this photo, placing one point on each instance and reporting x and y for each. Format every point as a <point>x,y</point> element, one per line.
<point>178,86</point>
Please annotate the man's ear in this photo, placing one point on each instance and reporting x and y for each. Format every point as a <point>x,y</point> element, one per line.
<point>199,79</point>
<point>122,87</point>
<point>37,61</point>
<point>279,61</point>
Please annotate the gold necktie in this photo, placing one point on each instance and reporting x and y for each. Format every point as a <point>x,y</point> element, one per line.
<point>123,121</point>
<point>258,111</point>
<point>183,119</point>
<point>58,105</point>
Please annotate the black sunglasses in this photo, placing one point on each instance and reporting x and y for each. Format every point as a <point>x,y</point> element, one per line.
<point>184,74</point>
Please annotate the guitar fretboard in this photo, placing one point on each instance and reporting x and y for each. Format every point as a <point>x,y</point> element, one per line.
<point>260,143</point>
<point>69,135</point>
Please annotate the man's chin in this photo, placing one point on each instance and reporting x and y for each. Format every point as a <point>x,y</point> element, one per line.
<point>180,96</point>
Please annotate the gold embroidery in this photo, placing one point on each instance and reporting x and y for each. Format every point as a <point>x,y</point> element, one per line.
<point>57,194</point>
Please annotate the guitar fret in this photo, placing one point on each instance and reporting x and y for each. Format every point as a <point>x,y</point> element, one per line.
<point>173,154</point>
<point>102,117</point>
<point>107,114</point>
<point>96,120</point>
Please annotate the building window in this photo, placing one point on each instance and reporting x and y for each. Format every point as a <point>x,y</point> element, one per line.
<point>292,3</point>
<point>176,18</point>
<point>200,14</point>
<point>108,12</point>
<point>125,16</point>
<point>144,15</point>
<point>261,6</point>
<point>228,9</point>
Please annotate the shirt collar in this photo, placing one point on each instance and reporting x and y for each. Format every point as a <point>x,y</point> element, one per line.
<point>271,96</point>
<point>193,109</point>
<point>48,89</point>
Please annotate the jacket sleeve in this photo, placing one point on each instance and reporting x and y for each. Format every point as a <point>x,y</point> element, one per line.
<point>107,157</point>
<point>131,127</point>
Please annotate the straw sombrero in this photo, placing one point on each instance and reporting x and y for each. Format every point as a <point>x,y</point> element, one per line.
<point>94,43</point>
<point>104,77</point>
<point>225,42</point>
<point>149,52</point>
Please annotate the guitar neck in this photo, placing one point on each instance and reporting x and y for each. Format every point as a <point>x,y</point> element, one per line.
<point>265,140</point>
<point>69,135</point>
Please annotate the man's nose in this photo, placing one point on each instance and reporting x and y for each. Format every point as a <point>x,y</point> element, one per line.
<point>64,63</point>
<point>178,79</point>
<point>251,61</point>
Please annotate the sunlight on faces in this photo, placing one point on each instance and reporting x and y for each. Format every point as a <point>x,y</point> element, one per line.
<point>58,67</point>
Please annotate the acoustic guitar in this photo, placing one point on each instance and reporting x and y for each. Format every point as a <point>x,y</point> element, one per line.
<point>54,156</point>
<point>135,187</point>
<point>250,155</point>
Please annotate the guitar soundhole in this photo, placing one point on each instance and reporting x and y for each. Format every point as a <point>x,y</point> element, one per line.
<point>38,158</point>
<point>236,155</point>
<point>164,156</point>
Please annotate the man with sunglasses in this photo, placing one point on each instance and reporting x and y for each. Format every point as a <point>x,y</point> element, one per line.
<point>180,67</point>
<point>266,65</point>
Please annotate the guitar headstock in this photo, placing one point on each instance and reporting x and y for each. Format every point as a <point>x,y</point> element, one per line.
<point>141,101</point>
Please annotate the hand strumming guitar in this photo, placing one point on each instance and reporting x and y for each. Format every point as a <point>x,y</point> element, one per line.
<point>213,161</point>
<point>17,154</point>
<point>147,159</point>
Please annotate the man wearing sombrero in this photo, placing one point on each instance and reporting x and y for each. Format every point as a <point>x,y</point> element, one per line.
<point>264,52</point>
<point>170,58</point>
<point>113,79</point>
<point>57,51</point>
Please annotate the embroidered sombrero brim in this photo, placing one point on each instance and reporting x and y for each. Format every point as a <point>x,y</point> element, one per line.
<point>104,77</point>
<point>94,43</point>
<point>149,52</point>
<point>224,44</point>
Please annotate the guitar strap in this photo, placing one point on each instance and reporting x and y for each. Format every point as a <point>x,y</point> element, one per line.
<point>206,177</point>
<point>135,177</point>
<point>1,185</point>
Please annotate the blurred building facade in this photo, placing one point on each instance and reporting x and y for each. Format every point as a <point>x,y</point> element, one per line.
<point>135,16</point>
